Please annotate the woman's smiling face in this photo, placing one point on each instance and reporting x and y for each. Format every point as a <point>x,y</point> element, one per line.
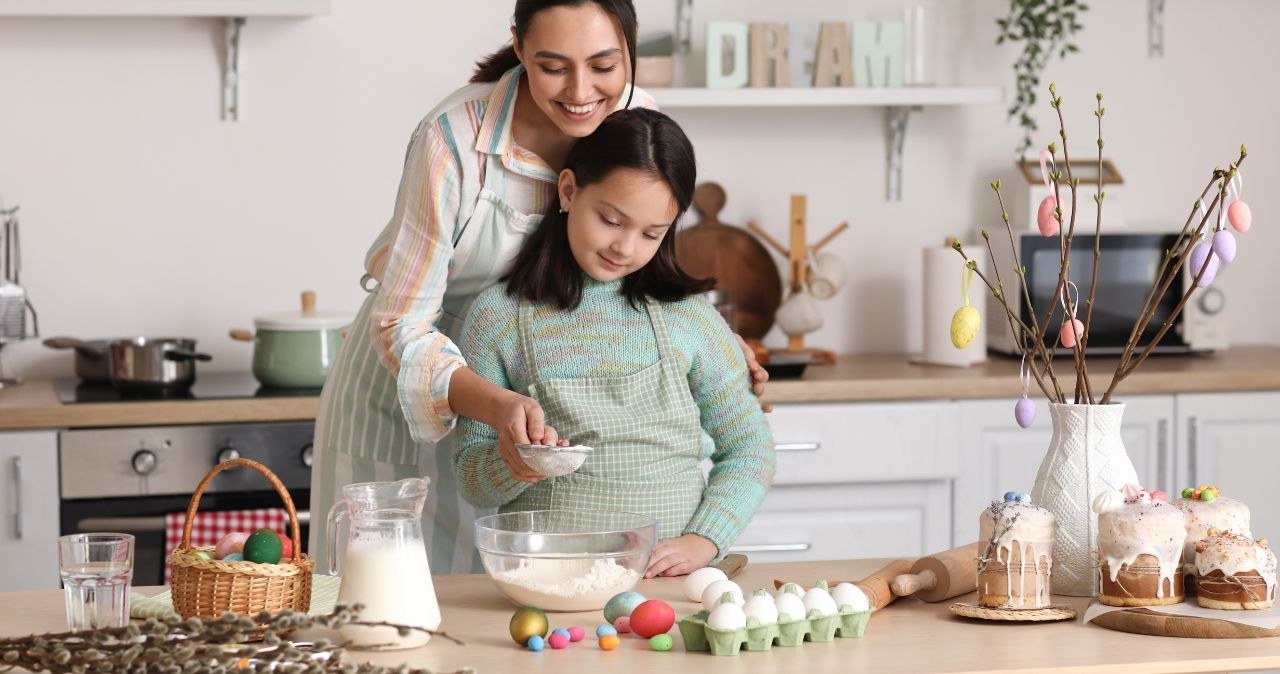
<point>576,64</point>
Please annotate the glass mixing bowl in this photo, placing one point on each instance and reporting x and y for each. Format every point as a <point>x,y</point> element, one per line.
<point>565,560</point>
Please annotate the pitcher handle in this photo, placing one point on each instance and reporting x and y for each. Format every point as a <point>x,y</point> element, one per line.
<point>336,514</point>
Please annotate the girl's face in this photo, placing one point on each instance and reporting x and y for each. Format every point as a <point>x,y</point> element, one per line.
<point>616,225</point>
<point>575,60</point>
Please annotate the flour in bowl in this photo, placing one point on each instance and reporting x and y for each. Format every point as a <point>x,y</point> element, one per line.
<point>565,584</point>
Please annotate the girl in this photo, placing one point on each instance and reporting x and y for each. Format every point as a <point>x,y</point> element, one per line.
<point>598,323</point>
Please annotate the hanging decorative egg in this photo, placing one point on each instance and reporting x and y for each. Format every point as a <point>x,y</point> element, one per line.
<point>1045,216</point>
<point>965,324</point>
<point>1239,215</point>
<point>1071,331</point>
<point>1201,259</point>
<point>1024,411</point>
<point>1224,245</point>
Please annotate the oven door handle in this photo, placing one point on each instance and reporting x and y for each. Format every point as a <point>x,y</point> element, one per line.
<point>144,525</point>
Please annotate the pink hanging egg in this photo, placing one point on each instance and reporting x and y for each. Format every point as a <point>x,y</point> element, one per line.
<point>1239,215</point>
<point>1224,245</point>
<point>1201,259</point>
<point>1044,217</point>
<point>1024,411</point>
<point>1067,336</point>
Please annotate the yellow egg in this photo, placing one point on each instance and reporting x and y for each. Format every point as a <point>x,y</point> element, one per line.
<point>964,326</point>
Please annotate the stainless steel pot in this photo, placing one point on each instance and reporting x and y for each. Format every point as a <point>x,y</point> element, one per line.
<point>145,365</point>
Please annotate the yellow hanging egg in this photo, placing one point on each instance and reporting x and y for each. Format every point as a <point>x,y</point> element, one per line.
<point>965,324</point>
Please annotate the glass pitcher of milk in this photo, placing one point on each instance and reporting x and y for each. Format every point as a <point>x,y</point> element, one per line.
<point>385,566</point>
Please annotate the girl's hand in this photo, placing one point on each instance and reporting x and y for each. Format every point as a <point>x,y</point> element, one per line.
<point>521,421</point>
<point>757,374</point>
<point>680,556</point>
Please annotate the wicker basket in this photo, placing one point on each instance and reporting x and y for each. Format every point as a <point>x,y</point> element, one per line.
<point>210,587</point>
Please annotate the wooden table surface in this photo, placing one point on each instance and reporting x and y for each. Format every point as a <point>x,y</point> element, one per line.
<point>907,636</point>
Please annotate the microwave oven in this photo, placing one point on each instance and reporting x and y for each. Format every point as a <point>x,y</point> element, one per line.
<point>1127,268</point>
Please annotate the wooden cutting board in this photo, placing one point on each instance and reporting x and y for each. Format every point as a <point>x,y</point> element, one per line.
<point>736,259</point>
<point>1143,621</point>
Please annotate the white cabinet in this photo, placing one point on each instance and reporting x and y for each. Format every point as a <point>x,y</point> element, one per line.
<point>29,493</point>
<point>1232,440</point>
<point>1000,456</point>
<point>856,480</point>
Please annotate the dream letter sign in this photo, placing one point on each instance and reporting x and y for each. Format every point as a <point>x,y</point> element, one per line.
<point>877,53</point>
<point>833,66</point>
<point>726,54</point>
<point>769,46</point>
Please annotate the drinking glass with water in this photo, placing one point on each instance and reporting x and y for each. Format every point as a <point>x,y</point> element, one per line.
<point>96,572</point>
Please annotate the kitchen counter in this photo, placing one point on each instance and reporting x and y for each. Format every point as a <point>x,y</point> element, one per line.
<point>907,636</point>
<point>870,377</point>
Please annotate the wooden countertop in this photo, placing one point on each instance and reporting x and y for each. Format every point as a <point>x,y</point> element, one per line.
<point>871,377</point>
<point>907,636</point>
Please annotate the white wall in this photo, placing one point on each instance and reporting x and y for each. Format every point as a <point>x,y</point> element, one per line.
<point>144,213</point>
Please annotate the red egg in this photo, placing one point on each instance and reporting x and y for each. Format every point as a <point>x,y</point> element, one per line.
<point>1239,215</point>
<point>1067,336</point>
<point>1045,217</point>
<point>652,618</point>
<point>286,546</point>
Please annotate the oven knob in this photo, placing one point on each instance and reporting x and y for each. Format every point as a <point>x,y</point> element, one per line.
<point>228,453</point>
<point>144,462</point>
<point>1211,301</point>
<point>308,455</point>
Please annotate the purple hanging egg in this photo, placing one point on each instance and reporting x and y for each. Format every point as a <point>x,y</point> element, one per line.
<point>1224,245</point>
<point>1199,259</point>
<point>1024,411</point>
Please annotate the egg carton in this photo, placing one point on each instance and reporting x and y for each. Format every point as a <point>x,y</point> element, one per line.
<point>698,636</point>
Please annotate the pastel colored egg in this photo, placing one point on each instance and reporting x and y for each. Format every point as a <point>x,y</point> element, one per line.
<point>662,642</point>
<point>205,554</point>
<point>263,547</point>
<point>965,324</point>
<point>558,640</point>
<point>1239,215</point>
<point>622,624</point>
<point>233,542</point>
<point>622,604</point>
<point>1201,259</point>
<point>1224,245</point>
<point>535,643</point>
<point>1024,412</point>
<point>604,630</point>
<point>233,557</point>
<point>561,630</point>
<point>1045,216</point>
<point>1071,332</point>
<point>608,642</point>
<point>577,634</point>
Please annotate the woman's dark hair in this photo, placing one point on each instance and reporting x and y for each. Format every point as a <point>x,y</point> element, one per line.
<point>491,68</point>
<point>545,271</point>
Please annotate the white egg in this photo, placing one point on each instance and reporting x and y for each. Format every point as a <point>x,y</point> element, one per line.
<point>726,618</point>
<point>791,588</point>
<point>761,606</point>
<point>790,606</point>
<point>712,593</point>
<point>698,581</point>
<point>848,594</point>
<point>818,599</point>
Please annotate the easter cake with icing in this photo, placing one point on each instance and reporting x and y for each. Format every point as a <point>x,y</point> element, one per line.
<point>1140,539</point>
<point>1015,561</point>
<point>1234,572</point>
<point>1206,508</point>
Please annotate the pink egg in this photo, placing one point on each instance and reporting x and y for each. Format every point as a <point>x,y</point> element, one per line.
<point>558,640</point>
<point>1024,411</point>
<point>1044,217</point>
<point>1224,245</point>
<point>622,624</point>
<point>1067,336</point>
<point>233,542</point>
<point>1200,258</point>
<point>576,634</point>
<point>1239,215</point>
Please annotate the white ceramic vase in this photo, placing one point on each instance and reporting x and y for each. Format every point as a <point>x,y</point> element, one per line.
<point>1086,456</point>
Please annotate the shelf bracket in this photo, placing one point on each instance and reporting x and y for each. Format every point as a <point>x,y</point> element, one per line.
<point>684,26</point>
<point>231,68</point>
<point>896,125</point>
<point>1155,28</point>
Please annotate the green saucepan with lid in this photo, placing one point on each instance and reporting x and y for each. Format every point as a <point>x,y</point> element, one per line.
<point>295,349</point>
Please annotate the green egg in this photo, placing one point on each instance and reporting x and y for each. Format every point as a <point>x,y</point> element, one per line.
<point>661,642</point>
<point>262,546</point>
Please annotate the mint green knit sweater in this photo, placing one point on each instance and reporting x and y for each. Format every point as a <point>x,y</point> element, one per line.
<point>606,337</point>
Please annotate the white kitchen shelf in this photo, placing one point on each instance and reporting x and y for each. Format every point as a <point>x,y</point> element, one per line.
<point>170,8</point>
<point>760,97</point>
<point>898,104</point>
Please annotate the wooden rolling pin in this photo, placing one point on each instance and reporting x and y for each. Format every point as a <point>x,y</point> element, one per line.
<point>875,586</point>
<point>941,576</point>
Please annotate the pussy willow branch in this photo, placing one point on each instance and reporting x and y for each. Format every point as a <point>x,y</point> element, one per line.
<point>1097,241</point>
<point>1067,235</point>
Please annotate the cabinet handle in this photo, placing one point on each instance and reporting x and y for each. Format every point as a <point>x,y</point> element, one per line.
<point>17,497</point>
<point>1193,425</point>
<point>797,446</point>
<point>776,547</point>
<point>1162,451</point>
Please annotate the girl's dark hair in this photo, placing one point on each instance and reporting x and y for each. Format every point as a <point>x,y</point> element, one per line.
<point>492,67</point>
<point>545,271</point>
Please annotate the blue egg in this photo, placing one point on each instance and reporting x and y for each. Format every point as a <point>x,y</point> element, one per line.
<point>1010,496</point>
<point>535,643</point>
<point>622,604</point>
<point>561,630</point>
<point>605,629</point>
<point>234,557</point>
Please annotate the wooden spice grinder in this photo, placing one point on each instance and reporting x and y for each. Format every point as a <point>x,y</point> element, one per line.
<point>940,576</point>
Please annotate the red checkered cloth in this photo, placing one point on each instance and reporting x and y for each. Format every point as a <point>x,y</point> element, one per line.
<point>210,527</point>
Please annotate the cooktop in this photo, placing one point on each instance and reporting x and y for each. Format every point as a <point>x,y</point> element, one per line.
<point>208,386</point>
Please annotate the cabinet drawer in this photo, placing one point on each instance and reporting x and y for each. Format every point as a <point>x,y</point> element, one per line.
<point>849,522</point>
<point>864,442</point>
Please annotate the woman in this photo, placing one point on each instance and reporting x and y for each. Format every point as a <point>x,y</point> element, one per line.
<point>478,169</point>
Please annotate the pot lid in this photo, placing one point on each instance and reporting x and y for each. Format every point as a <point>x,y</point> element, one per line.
<point>305,319</point>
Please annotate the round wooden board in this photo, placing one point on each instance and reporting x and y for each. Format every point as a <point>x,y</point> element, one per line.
<point>1143,621</point>
<point>1046,614</point>
<point>736,259</point>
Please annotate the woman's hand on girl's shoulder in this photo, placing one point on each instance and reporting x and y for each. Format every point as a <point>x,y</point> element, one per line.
<point>755,371</point>
<point>680,556</point>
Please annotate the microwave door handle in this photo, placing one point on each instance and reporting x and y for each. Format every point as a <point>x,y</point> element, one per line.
<point>144,525</point>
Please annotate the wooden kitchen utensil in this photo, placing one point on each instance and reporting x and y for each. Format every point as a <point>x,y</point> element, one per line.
<point>876,585</point>
<point>731,565</point>
<point>739,263</point>
<point>1146,621</point>
<point>941,576</point>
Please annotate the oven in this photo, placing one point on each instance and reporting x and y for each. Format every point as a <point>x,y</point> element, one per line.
<point>128,479</point>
